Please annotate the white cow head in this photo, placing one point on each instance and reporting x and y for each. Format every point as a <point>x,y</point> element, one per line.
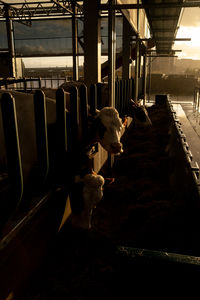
<point>92,190</point>
<point>109,129</point>
<point>91,194</point>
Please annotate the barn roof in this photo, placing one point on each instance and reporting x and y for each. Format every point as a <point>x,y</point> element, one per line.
<point>163,18</point>
<point>163,15</point>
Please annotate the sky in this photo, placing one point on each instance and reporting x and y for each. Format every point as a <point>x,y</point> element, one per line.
<point>189,27</point>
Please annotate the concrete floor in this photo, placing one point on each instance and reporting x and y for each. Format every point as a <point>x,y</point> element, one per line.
<point>190,122</point>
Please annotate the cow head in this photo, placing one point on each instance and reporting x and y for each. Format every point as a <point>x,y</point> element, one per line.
<point>90,189</point>
<point>109,129</point>
<point>139,113</point>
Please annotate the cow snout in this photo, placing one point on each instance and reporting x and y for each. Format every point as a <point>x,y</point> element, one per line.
<point>116,148</point>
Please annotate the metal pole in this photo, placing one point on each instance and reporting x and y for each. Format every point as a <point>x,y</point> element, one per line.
<point>126,70</point>
<point>92,43</point>
<point>74,42</point>
<point>9,28</point>
<point>149,79</point>
<point>137,56</point>
<point>144,77</point>
<point>111,53</point>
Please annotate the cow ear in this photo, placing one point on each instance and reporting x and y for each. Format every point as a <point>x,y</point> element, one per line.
<point>97,111</point>
<point>124,121</point>
<point>134,104</point>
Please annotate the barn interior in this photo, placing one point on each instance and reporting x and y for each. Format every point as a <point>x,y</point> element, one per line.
<point>144,232</point>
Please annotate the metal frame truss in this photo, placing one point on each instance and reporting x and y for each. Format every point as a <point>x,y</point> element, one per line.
<point>24,12</point>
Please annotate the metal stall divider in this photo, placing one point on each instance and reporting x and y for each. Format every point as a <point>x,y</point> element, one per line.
<point>73,148</point>
<point>93,99</point>
<point>121,87</point>
<point>84,113</point>
<point>99,87</point>
<point>14,164</point>
<point>41,135</point>
<point>117,95</point>
<point>61,136</point>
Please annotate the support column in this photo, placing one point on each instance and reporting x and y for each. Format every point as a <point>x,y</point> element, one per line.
<point>149,92</point>
<point>11,49</point>
<point>137,57</point>
<point>111,53</point>
<point>126,54</point>
<point>92,42</point>
<point>144,77</point>
<point>74,42</point>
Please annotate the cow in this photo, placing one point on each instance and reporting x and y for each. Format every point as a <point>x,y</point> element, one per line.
<point>139,114</point>
<point>105,126</point>
<point>87,190</point>
<point>106,129</point>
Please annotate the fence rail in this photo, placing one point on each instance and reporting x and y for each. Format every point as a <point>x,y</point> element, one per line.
<point>29,84</point>
<point>57,145</point>
<point>196,101</point>
<point>124,90</point>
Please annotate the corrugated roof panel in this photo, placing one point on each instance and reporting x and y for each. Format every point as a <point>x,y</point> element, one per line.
<point>163,23</point>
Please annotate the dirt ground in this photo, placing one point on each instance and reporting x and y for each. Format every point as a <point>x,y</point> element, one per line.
<point>137,210</point>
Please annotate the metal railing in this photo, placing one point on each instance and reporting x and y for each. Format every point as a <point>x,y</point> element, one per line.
<point>28,84</point>
<point>196,101</point>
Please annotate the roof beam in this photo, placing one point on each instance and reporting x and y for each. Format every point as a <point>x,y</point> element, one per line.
<point>167,40</point>
<point>163,29</point>
<point>164,18</point>
<point>152,5</point>
<point>173,40</point>
<point>58,3</point>
<point>171,51</point>
<point>22,11</point>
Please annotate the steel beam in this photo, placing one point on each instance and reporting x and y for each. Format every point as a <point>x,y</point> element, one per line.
<point>171,51</point>
<point>111,53</point>
<point>144,77</point>
<point>25,11</point>
<point>137,60</point>
<point>92,43</point>
<point>10,38</point>
<point>57,2</point>
<point>162,56</point>
<point>169,39</point>
<point>74,42</point>
<point>152,5</point>
<point>126,54</point>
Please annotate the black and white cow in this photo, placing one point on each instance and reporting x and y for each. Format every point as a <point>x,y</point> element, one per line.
<point>88,190</point>
<point>139,114</point>
<point>106,129</point>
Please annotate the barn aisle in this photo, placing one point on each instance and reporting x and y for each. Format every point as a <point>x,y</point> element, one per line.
<point>138,210</point>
